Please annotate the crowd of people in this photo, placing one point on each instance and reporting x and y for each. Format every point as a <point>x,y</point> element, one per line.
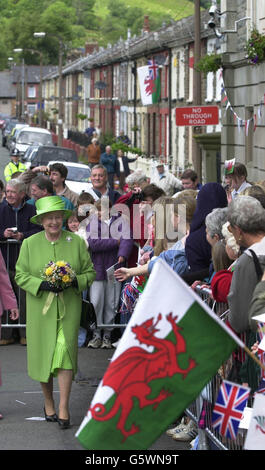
<point>211,234</point>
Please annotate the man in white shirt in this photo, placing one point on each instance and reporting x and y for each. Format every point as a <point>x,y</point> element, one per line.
<point>166,180</point>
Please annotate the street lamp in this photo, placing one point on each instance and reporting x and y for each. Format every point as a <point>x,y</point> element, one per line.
<point>42,34</point>
<point>18,50</point>
<point>35,51</point>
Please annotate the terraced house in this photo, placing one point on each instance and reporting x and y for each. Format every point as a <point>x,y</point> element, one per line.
<point>241,27</point>
<point>103,85</point>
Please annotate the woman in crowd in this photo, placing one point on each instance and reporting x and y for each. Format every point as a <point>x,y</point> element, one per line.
<point>8,299</point>
<point>198,250</point>
<point>213,229</point>
<point>247,223</point>
<point>53,320</point>
<point>109,243</point>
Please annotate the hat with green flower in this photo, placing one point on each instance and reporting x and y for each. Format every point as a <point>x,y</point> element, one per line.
<point>229,166</point>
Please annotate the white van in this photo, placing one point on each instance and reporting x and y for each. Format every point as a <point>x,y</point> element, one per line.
<point>32,135</point>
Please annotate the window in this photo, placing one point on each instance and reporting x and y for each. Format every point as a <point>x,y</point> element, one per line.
<point>31,92</point>
<point>32,108</point>
<point>256,10</point>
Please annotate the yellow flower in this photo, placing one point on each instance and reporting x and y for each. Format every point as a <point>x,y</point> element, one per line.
<point>66,278</point>
<point>48,271</point>
<point>60,263</point>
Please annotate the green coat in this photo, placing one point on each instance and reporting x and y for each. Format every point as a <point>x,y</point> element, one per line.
<point>36,251</point>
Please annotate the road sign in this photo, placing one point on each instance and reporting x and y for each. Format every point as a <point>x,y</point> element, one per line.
<point>197,116</point>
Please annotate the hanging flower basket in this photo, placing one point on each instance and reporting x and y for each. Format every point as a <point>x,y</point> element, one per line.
<point>255,47</point>
<point>209,63</point>
<point>81,116</point>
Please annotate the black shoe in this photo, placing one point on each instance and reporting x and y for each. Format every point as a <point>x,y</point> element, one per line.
<point>50,418</point>
<point>63,423</point>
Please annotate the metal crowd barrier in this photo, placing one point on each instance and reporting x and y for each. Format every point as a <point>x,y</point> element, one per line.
<point>5,320</point>
<point>200,411</point>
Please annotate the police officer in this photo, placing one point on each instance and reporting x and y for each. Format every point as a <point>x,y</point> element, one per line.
<point>14,166</point>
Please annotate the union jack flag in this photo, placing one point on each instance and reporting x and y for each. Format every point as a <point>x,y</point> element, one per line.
<point>261,388</point>
<point>153,68</point>
<point>229,407</point>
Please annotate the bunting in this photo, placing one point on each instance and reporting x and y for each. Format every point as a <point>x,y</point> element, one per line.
<point>239,122</point>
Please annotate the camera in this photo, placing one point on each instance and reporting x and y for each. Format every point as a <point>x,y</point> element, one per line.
<point>211,24</point>
<point>14,229</point>
<point>212,10</point>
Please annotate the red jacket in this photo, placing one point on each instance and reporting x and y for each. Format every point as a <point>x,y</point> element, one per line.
<point>221,285</point>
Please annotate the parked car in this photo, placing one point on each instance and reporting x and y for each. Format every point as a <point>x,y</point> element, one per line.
<point>37,155</point>
<point>8,129</point>
<point>32,135</point>
<point>11,138</point>
<point>78,178</point>
<point>3,119</point>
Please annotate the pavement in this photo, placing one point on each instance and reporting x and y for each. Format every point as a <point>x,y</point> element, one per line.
<point>21,400</point>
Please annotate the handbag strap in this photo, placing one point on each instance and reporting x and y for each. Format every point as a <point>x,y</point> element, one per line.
<point>258,268</point>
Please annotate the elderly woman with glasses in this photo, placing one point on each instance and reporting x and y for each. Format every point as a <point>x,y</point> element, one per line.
<point>246,217</point>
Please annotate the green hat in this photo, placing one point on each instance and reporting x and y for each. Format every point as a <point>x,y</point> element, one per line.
<point>47,204</point>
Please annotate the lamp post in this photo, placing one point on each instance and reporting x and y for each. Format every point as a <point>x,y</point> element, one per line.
<point>42,34</point>
<point>35,51</point>
<point>18,50</point>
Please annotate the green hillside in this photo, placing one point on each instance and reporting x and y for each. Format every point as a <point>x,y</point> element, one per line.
<point>76,22</point>
<point>177,9</point>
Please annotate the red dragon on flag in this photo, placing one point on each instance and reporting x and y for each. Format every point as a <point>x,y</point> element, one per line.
<point>131,373</point>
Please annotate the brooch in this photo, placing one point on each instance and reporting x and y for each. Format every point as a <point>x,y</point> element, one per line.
<point>69,239</point>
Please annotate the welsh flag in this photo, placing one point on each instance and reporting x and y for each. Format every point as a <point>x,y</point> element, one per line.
<point>229,166</point>
<point>171,348</point>
<point>149,81</point>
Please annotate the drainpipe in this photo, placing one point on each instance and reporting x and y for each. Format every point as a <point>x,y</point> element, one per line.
<point>112,102</point>
<point>169,102</point>
<point>135,101</point>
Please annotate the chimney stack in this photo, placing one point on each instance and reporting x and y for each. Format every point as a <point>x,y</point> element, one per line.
<point>90,47</point>
<point>146,27</point>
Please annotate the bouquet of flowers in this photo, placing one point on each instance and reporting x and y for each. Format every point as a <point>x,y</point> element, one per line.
<point>59,274</point>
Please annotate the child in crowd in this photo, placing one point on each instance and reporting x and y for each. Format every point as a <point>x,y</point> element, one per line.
<point>109,243</point>
<point>222,278</point>
<point>85,207</point>
<point>72,223</point>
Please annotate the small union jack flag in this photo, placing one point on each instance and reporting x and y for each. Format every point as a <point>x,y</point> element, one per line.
<point>153,68</point>
<point>229,407</point>
<point>261,388</point>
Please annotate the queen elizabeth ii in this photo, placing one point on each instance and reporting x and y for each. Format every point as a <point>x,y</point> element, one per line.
<point>53,320</point>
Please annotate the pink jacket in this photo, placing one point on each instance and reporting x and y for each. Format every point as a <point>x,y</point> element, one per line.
<point>7,297</point>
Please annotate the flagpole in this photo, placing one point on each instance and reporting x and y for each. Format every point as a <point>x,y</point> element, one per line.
<point>254,357</point>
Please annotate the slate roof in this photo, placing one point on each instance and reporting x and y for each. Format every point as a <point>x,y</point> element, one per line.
<point>176,34</point>
<point>7,88</point>
<point>32,72</point>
